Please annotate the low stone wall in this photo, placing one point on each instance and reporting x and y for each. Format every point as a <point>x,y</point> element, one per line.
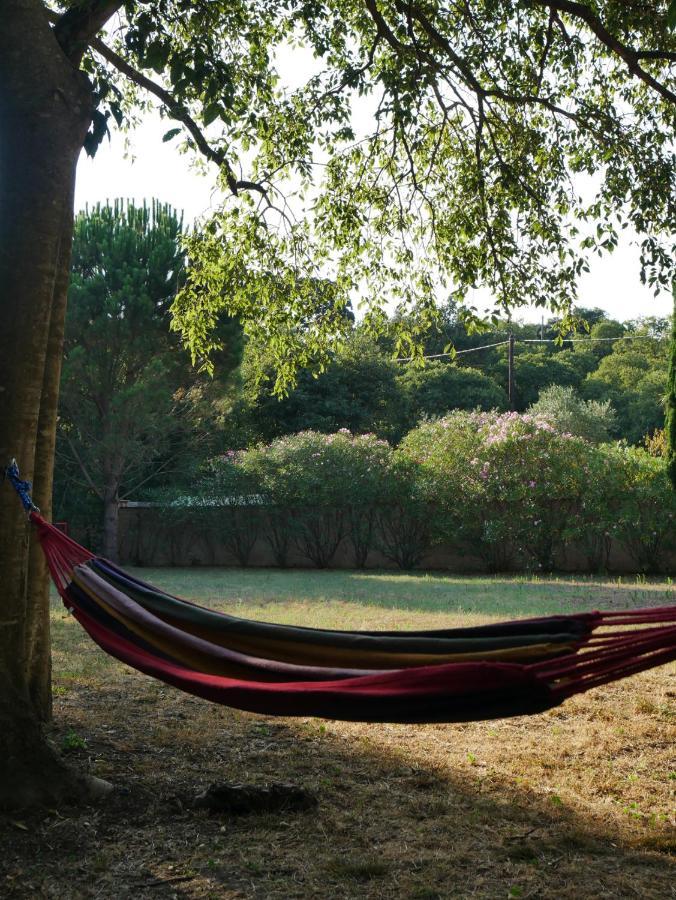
<point>145,540</point>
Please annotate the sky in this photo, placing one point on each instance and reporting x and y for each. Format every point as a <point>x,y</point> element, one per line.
<point>158,170</point>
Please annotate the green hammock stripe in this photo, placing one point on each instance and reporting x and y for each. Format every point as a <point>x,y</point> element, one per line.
<point>304,654</point>
<point>168,607</point>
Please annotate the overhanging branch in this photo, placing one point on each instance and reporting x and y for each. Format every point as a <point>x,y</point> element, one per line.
<point>180,113</point>
<point>176,110</point>
<point>629,55</point>
<point>580,11</point>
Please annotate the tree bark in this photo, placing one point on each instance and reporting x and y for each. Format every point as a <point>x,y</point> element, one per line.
<point>670,419</point>
<point>111,508</point>
<point>45,110</point>
<point>37,640</point>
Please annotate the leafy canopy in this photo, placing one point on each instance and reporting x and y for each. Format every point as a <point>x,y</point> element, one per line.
<point>431,147</point>
<point>633,376</point>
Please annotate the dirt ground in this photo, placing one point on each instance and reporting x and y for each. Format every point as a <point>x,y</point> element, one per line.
<point>574,803</point>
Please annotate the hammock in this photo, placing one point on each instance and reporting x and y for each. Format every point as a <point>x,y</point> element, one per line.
<point>448,675</point>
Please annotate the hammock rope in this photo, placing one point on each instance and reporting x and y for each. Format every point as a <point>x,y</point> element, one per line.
<point>445,675</point>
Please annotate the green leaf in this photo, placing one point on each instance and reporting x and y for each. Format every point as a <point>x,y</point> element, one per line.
<point>156,56</point>
<point>168,135</point>
<point>671,15</point>
<point>211,112</point>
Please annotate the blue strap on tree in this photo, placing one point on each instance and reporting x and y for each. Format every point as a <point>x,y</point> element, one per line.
<point>22,488</point>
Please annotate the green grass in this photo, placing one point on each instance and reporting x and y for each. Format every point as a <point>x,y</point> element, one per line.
<point>245,589</point>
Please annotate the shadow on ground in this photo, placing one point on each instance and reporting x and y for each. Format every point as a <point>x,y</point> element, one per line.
<point>403,811</point>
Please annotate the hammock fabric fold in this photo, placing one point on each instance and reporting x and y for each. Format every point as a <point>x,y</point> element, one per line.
<point>452,675</point>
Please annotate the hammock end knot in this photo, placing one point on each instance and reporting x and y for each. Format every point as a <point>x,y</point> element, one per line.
<point>23,488</point>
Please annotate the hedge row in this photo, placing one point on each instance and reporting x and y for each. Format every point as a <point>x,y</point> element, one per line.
<point>508,488</point>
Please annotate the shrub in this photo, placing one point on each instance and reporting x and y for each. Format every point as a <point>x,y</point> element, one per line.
<point>594,420</point>
<point>226,508</point>
<point>509,487</point>
<point>370,467</point>
<point>442,386</point>
<point>656,443</point>
<point>506,484</point>
<point>534,479</point>
<point>180,525</point>
<point>594,523</point>
<point>321,489</point>
<point>441,450</point>
<point>647,522</point>
<point>404,519</point>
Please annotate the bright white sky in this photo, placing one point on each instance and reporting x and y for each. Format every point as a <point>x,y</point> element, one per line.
<point>159,171</point>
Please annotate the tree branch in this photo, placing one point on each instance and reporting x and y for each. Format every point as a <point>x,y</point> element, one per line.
<point>83,468</point>
<point>573,8</point>
<point>628,54</point>
<point>175,109</point>
<point>664,55</point>
<point>181,114</point>
<point>75,28</point>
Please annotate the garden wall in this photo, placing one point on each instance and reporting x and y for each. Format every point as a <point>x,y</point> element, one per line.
<point>146,540</point>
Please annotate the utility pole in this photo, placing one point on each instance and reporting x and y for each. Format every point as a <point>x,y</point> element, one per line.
<point>510,377</point>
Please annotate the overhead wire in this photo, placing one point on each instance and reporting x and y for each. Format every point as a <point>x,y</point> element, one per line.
<point>454,353</point>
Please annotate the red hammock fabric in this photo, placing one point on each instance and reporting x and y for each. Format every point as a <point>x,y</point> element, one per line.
<point>450,692</point>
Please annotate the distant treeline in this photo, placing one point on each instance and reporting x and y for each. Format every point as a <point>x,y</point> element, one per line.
<point>365,390</point>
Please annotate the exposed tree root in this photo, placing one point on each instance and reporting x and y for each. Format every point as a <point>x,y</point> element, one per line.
<point>33,774</point>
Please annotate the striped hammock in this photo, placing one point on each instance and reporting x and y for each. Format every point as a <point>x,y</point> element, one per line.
<point>451,675</point>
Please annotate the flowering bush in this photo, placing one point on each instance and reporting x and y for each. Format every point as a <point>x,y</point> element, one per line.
<point>505,484</point>
<point>509,487</point>
<point>532,480</point>
<point>321,488</point>
<point>441,450</point>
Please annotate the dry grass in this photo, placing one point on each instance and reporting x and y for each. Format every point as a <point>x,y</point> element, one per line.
<point>575,803</point>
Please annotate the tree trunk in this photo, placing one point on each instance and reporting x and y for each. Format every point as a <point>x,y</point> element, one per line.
<point>37,638</point>
<point>45,109</point>
<point>111,506</point>
<point>670,422</point>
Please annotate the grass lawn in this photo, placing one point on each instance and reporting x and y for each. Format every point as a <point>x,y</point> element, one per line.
<point>336,593</point>
<point>577,802</point>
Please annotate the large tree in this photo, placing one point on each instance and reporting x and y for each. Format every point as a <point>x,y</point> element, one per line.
<point>483,111</point>
<point>357,390</point>
<point>123,415</point>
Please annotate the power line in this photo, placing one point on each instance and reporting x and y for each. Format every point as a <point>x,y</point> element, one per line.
<point>629,337</point>
<point>453,354</point>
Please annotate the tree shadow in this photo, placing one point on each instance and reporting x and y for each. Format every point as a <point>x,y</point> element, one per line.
<point>403,811</point>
